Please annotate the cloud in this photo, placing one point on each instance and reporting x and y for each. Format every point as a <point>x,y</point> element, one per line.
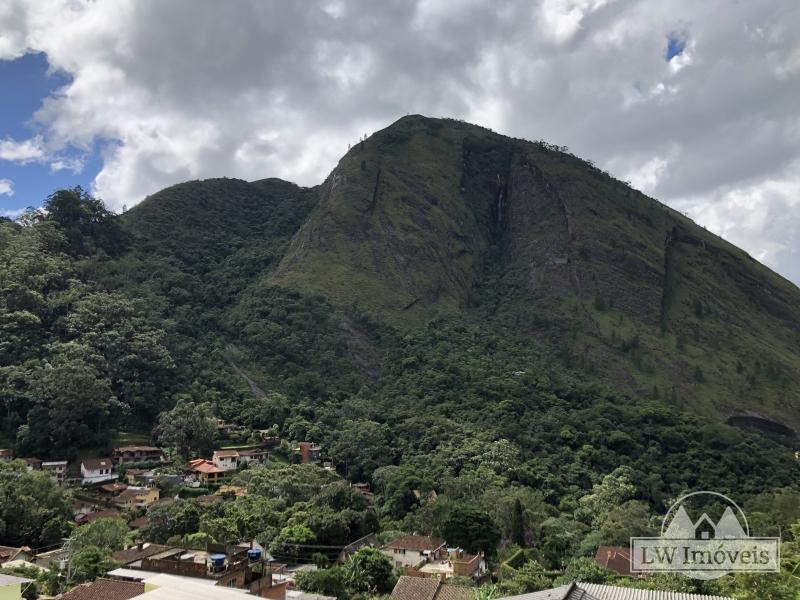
<point>6,187</point>
<point>22,152</point>
<point>695,102</point>
<point>762,216</point>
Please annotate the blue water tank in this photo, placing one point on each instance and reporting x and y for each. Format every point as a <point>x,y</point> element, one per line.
<point>254,554</point>
<point>217,560</point>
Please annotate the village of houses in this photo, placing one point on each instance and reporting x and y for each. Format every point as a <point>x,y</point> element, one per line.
<point>131,480</point>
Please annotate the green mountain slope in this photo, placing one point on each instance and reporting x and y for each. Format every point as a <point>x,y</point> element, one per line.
<point>417,219</point>
<point>451,311</point>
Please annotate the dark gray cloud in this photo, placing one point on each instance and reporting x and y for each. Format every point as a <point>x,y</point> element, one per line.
<point>192,89</point>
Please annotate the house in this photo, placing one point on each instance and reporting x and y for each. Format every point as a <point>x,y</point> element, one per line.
<point>221,566</point>
<point>95,470</point>
<point>363,489</point>
<point>136,497</point>
<point>227,460</point>
<point>34,464</point>
<point>309,452</point>
<point>57,470</point>
<point>85,518</point>
<point>9,553</point>
<point>172,587</point>
<point>109,490</point>
<point>456,563</point>
<point>137,553</point>
<point>414,550</point>
<point>6,454</point>
<point>135,454</point>
<point>369,540</point>
<point>596,591</point>
<point>55,560</point>
<point>140,523</point>
<point>11,587</point>
<point>237,491</point>
<point>206,471</point>
<point>256,456</point>
<point>615,558</point>
<point>105,589</point>
<point>268,438</point>
<point>423,588</point>
<point>225,428</point>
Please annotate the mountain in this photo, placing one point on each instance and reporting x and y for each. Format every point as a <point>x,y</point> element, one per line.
<point>449,305</point>
<point>431,217</point>
<point>493,334</point>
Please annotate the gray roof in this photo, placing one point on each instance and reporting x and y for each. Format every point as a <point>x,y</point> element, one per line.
<point>594,591</point>
<point>560,593</point>
<point>11,580</point>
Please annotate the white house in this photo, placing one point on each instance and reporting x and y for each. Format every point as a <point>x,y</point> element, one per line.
<point>414,550</point>
<point>227,460</point>
<point>95,470</point>
<point>57,470</point>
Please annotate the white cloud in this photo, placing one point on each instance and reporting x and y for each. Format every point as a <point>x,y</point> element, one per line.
<point>762,217</point>
<point>258,88</point>
<point>6,187</point>
<point>22,152</point>
<point>647,176</point>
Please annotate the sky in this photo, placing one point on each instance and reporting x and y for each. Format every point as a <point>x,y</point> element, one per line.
<point>695,103</point>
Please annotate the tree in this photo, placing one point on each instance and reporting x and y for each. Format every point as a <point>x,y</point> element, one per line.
<point>72,402</point>
<point>290,539</point>
<point>89,563</point>
<point>616,488</point>
<point>328,582</point>
<point>34,511</point>
<point>189,428</point>
<point>86,222</point>
<point>518,524</point>
<point>471,528</point>
<point>106,534</point>
<point>350,441</point>
<point>585,570</point>
<point>369,570</point>
<point>530,577</point>
<point>178,518</point>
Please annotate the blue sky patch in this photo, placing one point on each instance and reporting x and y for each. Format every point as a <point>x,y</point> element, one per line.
<point>24,84</point>
<point>676,43</point>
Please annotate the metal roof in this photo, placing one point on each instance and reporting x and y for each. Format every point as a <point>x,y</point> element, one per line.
<point>11,580</point>
<point>595,591</point>
<point>611,592</point>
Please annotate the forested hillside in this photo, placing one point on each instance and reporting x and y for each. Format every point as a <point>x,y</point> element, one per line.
<point>452,311</point>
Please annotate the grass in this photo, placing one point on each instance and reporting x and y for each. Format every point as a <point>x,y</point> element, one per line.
<point>131,438</point>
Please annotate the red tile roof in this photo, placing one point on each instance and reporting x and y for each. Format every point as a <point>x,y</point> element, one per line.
<point>113,488</point>
<point>139,552</point>
<point>8,553</point>
<point>204,466</point>
<point>419,543</point>
<point>614,558</point>
<point>105,589</point>
<point>424,588</point>
<point>100,514</point>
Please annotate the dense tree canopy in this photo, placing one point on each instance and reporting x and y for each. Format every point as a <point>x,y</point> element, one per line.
<point>33,510</point>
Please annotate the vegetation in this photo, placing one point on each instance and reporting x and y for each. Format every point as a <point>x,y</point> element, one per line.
<point>33,510</point>
<point>527,370</point>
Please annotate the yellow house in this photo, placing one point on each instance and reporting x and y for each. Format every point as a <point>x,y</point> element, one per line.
<point>137,497</point>
<point>206,471</point>
<point>11,587</point>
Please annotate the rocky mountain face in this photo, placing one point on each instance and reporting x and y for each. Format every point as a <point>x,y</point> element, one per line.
<point>431,218</point>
